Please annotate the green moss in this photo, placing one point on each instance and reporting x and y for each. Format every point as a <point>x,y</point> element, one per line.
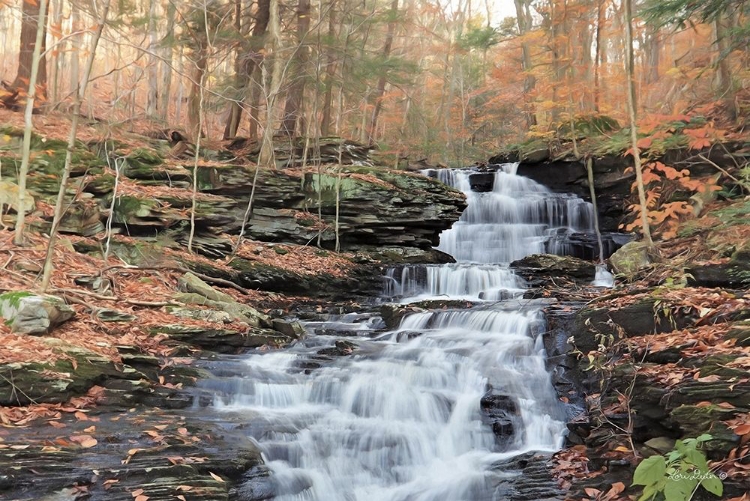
<point>735,214</point>
<point>101,184</point>
<point>14,297</point>
<point>589,125</point>
<point>127,206</point>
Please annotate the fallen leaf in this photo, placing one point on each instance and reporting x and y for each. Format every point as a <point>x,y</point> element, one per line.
<point>85,441</point>
<point>216,477</point>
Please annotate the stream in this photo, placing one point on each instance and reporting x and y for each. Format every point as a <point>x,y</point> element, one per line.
<point>432,410</point>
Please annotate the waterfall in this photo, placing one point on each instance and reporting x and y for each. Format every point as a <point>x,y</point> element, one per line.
<point>427,411</point>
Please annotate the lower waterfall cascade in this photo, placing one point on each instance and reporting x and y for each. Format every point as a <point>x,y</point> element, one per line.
<point>403,414</point>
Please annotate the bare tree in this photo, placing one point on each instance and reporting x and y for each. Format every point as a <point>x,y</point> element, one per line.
<point>630,72</point>
<point>77,99</point>
<point>36,60</point>
<point>34,19</point>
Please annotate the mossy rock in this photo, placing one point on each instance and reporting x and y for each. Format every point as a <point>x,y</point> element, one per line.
<point>35,382</point>
<point>101,184</point>
<point>741,332</point>
<point>631,259</point>
<point>693,421</point>
<point>223,340</point>
<point>29,313</point>
<point>589,125</point>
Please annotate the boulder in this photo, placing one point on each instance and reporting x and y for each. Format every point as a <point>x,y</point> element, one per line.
<point>393,313</point>
<point>28,313</point>
<point>630,259</point>
<point>199,292</point>
<point>499,411</point>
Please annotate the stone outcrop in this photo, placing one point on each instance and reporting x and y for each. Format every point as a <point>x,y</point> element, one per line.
<point>28,313</point>
<point>376,206</point>
<point>541,268</point>
<point>567,174</point>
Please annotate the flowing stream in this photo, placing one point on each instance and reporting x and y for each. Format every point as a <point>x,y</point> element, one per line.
<point>428,411</point>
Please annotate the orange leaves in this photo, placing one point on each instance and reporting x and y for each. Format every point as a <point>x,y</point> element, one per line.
<point>85,441</point>
<point>703,137</point>
<point>138,495</point>
<point>612,494</point>
<point>659,178</point>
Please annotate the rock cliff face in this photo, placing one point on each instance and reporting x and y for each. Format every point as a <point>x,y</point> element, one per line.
<point>612,184</point>
<point>375,206</point>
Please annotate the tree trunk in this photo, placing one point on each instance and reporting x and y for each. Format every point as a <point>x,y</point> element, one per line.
<point>380,90</point>
<point>293,116</point>
<point>246,67</point>
<point>652,48</point>
<point>230,129</point>
<point>166,82</point>
<point>598,54</point>
<point>58,55</point>
<point>153,64</point>
<point>76,52</point>
<point>524,21</point>
<point>36,60</point>
<point>33,17</point>
<point>325,122</point>
<point>632,106</point>
<point>77,99</point>
<point>266,156</point>
<point>194,101</point>
<point>724,84</point>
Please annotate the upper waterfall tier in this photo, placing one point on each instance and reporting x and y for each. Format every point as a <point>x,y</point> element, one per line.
<point>517,218</point>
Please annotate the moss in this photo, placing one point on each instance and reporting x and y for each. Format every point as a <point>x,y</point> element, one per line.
<point>589,125</point>
<point>101,184</point>
<point>14,297</point>
<point>127,206</point>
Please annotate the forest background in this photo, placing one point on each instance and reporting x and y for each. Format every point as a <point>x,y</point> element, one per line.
<point>444,81</point>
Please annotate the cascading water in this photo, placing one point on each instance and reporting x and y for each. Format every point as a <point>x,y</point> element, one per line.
<point>426,412</point>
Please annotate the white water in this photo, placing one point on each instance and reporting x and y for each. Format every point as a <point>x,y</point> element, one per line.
<point>400,420</point>
<point>517,218</point>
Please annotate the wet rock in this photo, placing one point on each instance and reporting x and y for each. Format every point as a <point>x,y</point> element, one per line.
<point>499,411</point>
<point>292,329</point>
<point>403,255</point>
<point>543,267</point>
<point>393,313</point>
<point>223,340</point>
<point>126,459</point>
<point>257,485</point>
<point>28,313</point>
<point>341,348</point>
